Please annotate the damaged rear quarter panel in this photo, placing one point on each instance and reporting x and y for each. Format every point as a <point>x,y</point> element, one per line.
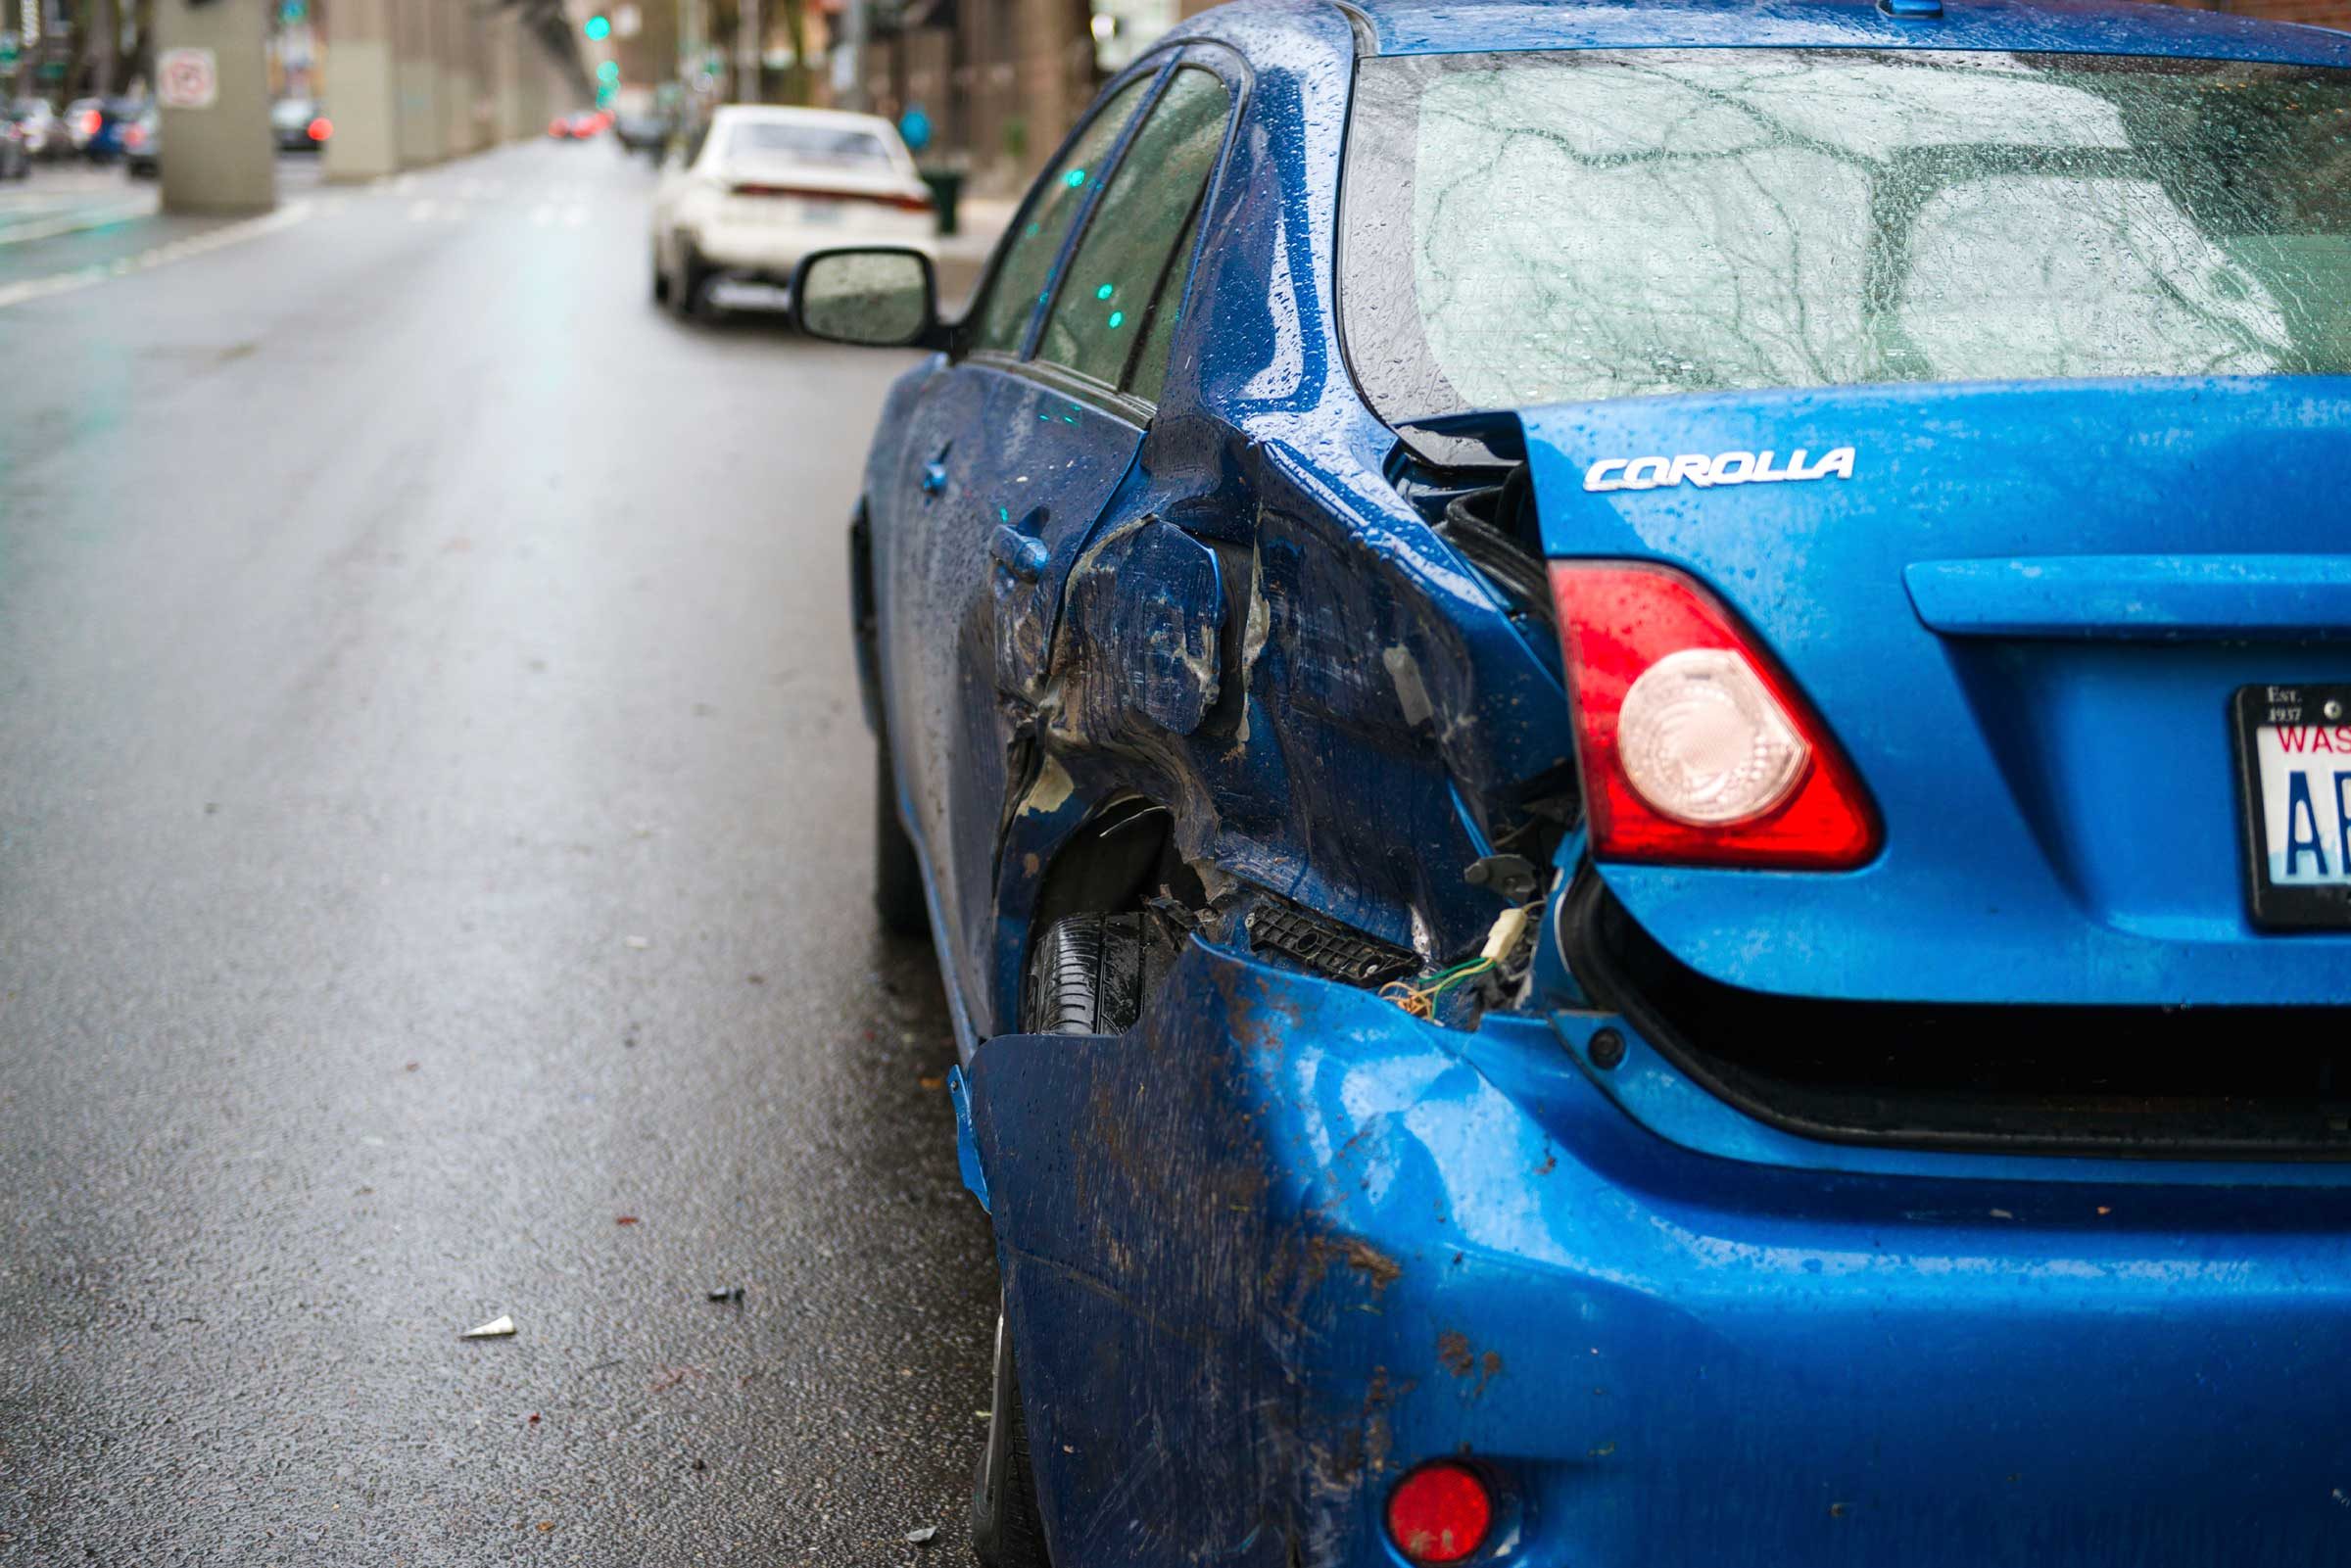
<point>1261,633</point>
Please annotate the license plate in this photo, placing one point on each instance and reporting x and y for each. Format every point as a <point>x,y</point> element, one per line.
<point>2294,749</point>
<point>820,212</point>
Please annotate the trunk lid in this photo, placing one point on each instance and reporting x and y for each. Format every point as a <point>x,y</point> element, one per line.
<point>2024,610</point>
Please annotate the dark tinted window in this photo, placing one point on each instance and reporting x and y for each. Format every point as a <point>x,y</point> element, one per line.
<point>1150,371</point>
<point>1100,312</point>
<point>1025,273</point>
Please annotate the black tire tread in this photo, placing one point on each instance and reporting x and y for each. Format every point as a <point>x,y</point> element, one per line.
<point>1008,1528</point>
<point>1086,976</point>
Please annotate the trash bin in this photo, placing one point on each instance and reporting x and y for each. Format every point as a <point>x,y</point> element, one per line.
<point>947,191</point>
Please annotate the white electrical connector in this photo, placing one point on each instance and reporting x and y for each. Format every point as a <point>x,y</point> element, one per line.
<point>1509,927</point>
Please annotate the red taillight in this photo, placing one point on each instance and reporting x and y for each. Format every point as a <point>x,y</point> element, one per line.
<point>557,127</point>
<point>90,122</point>
<point>1439,1513</point>
<point>320,129</point>
<point>811,193</point>
<point>135,137</point>
<point>1716,759</point>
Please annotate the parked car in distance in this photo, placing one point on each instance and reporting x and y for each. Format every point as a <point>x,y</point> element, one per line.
<point>583,125</point>
<point>44,129</point>
<point>647,132</point>
<point>143,142</point>
<point>300,124</point>
<point>755,188</point>
<point>82,118</point>
<point>16,160</point>
<point>115,117</point>
<point>1641,842</point>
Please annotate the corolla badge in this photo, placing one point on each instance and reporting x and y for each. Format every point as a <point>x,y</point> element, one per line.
<point>1722,468</point>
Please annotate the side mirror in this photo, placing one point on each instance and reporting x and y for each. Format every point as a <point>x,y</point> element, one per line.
<point>882,297</point>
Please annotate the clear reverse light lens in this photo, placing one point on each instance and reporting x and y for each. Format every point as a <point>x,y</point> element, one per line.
<point>1703,742</point>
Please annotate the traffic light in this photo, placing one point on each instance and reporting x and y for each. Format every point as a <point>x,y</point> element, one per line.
<point>605,94</point>
<point>608,73</point>
<point>597,29</point>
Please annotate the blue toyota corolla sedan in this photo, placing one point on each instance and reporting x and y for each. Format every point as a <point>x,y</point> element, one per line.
<point>1627,731</point>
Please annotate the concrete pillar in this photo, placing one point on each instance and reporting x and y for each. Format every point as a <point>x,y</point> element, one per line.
<point>459,76</point>
<point>362,91</point>
<point>216,157</point>
<point>508,123</point>
<point>416,29</point>
<point>530,84</point>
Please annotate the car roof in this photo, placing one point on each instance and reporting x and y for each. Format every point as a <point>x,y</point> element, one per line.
<point>2074,26</point>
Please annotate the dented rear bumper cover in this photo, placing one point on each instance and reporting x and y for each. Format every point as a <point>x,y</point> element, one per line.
<point>1283,1242</point>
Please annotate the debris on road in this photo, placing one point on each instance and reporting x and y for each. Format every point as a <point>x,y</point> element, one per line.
<point>624,1219</point>
<point>922,1536</point>
<point>636,941</point>
<point>726,1293</point>
<point>499,1327</point>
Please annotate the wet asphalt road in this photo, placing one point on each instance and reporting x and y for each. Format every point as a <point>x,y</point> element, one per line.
<point>433,833</point>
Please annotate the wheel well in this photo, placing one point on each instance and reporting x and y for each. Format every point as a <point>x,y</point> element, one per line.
<point>1121,859</point>
<point>1118,860</point>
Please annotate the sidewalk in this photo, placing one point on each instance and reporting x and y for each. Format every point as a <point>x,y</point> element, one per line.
<point>63,201</point>
<point>981,218</point>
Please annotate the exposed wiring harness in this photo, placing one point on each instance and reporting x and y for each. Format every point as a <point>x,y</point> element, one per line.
<point>1420,996</point>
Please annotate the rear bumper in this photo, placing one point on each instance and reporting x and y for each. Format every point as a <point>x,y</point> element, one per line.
<point>773,250</point>
<point>1285,1242</point>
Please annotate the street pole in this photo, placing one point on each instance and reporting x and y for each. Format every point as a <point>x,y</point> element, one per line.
<point>852,33</point>
<point>747,52</point>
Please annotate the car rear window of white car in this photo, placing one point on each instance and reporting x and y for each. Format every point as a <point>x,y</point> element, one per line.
<point>1554,227</point>
<point>832,147</point>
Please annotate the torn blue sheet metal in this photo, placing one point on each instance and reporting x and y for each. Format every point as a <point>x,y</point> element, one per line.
<point>1284,1242</point>
<point>967,1139</point>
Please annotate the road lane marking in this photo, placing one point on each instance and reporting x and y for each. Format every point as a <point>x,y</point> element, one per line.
<point>179,250</point>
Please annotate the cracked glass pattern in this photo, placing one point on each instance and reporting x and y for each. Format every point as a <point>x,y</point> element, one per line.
<point>1558,227</point>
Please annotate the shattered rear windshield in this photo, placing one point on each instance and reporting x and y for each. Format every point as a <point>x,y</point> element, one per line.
<point>1531,229</point>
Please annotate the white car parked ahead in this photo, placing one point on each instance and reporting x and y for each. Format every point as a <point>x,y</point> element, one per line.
<point>753,189</point>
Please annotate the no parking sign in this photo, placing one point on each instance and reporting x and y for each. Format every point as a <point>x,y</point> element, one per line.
<point>187,78</point>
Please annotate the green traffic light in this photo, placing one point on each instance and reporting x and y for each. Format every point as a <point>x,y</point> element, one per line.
<point>608,73</point>
<point>597,29</point>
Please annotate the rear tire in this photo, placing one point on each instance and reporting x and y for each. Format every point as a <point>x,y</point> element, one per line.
<point>1086,977</point>
<point>897,871</point>
<point>1008,1528</point>
<point>687,288</point>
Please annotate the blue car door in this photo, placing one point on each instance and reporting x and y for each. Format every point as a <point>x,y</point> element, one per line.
<point>1010,458</point>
